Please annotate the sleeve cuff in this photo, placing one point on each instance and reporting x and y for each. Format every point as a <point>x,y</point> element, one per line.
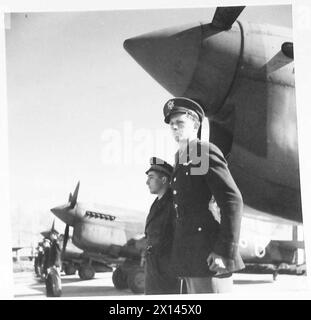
<point>226,249</point>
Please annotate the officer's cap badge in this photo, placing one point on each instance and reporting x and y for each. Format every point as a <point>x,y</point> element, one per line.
<point>170,104</point>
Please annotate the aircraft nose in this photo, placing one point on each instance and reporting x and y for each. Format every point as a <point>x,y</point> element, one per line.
<point>169,55</point>
<point>64,213</point>
<point>195,61</point>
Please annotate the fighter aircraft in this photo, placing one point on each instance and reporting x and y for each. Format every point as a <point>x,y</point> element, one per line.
<point>243,75</point>
<point>73,260</point>
<point>107,235</point>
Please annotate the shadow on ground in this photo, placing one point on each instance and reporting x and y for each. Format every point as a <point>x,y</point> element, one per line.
<point>76,290</point>
<point>252,281</point>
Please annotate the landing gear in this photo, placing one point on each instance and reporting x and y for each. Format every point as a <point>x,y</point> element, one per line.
<point>119,279</point>
<point>136,280</point>
<point>86,272</point>
<point>275,274</point>
<point>70,269</point>
<point>129,275</point>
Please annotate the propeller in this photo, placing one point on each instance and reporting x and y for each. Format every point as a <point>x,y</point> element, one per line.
<point>53,226</point>
<point>65,241</point>
<point>224,17</point>
<point>73,198</point>
<point>73,201</point>
<point>47,233</point>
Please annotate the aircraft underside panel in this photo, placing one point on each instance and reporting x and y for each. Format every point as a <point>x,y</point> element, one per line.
<point>89,235</point>
<point>264,195</point>
<point>264,154</point>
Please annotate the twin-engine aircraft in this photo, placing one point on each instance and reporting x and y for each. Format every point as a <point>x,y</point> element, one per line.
<point>243,75</point>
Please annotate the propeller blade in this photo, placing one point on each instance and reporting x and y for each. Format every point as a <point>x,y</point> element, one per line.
<point>45,234</point>
<point>53,226</point>
<point>66,236</point>
<point>288,49</point>
<point>74,198</point>
<point>70,197</point>
<point>224,17</point>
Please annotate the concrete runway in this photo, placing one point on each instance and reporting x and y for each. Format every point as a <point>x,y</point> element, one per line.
<point>27,286</point>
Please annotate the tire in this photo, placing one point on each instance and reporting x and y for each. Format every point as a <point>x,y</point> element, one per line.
<point>136,280</point>
<point>70,269</point>
<point>53,284</point>
<point>119,279</point>
<point>86,272</point>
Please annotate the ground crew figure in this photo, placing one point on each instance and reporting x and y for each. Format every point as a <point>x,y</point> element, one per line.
<point>205,251</point>
<point>45,258</point>
<point>53,281</point>
<point>55,251</point>
<point>159,232</point>
<point>38,259</point>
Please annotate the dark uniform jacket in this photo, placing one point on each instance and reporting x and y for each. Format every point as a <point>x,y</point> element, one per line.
<point>55,254</point>
<point>45,259</point>
<point>159,233</point>
<point>198,233</point>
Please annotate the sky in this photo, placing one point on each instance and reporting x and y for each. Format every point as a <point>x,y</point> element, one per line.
<point>81,109</point>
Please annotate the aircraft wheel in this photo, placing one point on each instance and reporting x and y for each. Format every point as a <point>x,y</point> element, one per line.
<point>119,279</point>
<point>136,280</point>
<point>69,269</point>
<point>86,272</point>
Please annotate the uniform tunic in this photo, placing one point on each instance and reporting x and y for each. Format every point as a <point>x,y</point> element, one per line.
<point>55,254</point>
<point>53,281</point>
<point>198,232</point>
<point>159,232</point>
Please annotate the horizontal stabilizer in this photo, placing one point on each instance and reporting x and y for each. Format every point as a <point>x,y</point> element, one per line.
<point>289,244</point>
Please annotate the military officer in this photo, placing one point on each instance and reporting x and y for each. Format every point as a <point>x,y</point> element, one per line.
<point>205,249</point>
<point>159,231</point>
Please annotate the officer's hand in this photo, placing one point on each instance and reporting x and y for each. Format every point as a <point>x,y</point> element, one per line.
<point>217,263</point>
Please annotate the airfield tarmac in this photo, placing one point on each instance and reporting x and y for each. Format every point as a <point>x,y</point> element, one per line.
<point>27,286</point>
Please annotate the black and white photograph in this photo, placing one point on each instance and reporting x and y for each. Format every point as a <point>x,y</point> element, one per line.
<point>154,152</point>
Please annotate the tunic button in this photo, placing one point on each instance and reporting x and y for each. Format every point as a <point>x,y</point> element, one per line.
<point>174,179</point>
<point>187,173</point>
<point>199,229</point>
<point>174,192</point>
